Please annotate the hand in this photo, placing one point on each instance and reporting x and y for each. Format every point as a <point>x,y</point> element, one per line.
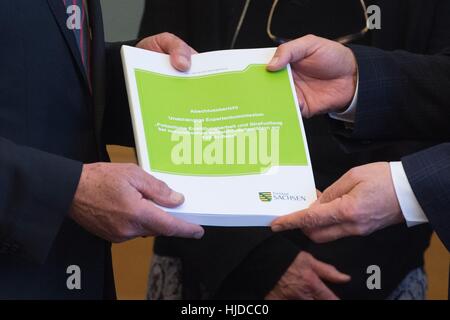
<point>117,203</point>
<point>359,203</point>
<point>180,53</point>
<point>303,280</point>
<point>324,71</point>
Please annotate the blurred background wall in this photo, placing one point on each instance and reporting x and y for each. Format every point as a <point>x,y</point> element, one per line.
<point>132,259</point>
<point>122,18</point>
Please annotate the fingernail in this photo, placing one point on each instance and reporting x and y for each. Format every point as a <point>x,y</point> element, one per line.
<point>176,197</point>
<point>277,228</point>
<point>346,277</point>
<point>273,62</point>
<point>198,235</point>
<point>184,62</point>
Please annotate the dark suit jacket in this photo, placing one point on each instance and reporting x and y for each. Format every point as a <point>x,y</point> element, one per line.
<point>429,175</point>
<point>50,125</point>
<point>416,106</point>
<point>419,107</point>
<point>246,263</point>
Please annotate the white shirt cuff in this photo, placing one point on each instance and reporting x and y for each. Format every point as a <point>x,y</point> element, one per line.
<point>349,114</point>
<point>412,211</point>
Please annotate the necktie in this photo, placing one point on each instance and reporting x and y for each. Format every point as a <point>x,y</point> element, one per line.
<point>79,23</point>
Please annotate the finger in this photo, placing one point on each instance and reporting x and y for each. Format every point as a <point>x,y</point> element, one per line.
<point>156,221</point>
<point>180,53</point>
<point>159,192</point>
<point>317,216</point>
<point>319,194</point>
<point>322,292</point>
<point>341,187</point>
<point>292,51</point>
<point>328,272</point>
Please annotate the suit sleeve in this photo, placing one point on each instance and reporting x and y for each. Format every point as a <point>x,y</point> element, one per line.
<point>36,192</point>
<point>428,173</point>
<point>402,95</point>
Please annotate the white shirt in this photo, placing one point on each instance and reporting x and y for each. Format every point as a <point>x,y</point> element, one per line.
<point>411,209</point>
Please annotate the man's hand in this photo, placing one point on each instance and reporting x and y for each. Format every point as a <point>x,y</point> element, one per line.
<point>304,280</point>
<point>117,203</point>
<point>324,71</point>
<point>180,53</point>
<point>359,203</point>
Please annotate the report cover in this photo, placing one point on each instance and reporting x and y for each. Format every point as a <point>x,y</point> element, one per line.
<point>227,134</point>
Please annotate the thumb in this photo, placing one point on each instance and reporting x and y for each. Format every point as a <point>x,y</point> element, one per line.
<point>180,53</point>
<point>292,51</point>
<point>159,192</point>
<point>340,188</point>
<point>318,215</point>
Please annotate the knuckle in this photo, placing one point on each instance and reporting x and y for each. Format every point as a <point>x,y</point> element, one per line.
<point>310,37</point>
<point>353,174</point>
<point>167,35</point>
<point>310,220</point>
<point>306,256</point>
